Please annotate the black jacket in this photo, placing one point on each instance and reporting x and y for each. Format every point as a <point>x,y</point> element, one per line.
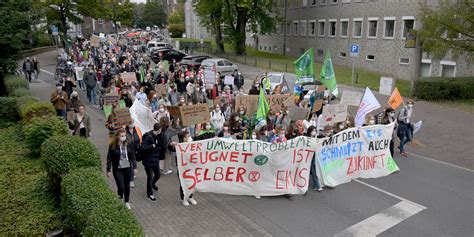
<point>113,157</point>
<point>152,155</point>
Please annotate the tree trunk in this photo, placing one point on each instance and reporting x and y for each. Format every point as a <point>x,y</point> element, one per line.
<point>218,37</point>
<point>63,25</point>
<point>240,48</point>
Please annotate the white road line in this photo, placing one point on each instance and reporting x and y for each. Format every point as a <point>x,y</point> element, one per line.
<point>47,72</point>
<point>441,162</point>
<point>382,221</point>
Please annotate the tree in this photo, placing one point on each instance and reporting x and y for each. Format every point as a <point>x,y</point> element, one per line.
<point>175,17</point>
<point>150,14</point>
<point>449,29</point>
<point>238,14</point>
<point>211,13</point>
<point>117,11</point>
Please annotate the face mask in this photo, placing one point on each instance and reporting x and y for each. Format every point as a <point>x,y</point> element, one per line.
<point>372,122</point>
<point>241,112</point>
<point>391,114</point>
<point>341,126</point>
<point>281,135</point>
<point>410,106</point>
<point>265,133</point>
<point>157,132</point>
<point>162,110</point>
<point>256,85</point>
<point>208,127</point>
<point>190,139</point>
<point>131,126</point>
<point>59,88</point>
<point>182,101</point>
<point>225,128</point>
<point>123,138</point>
<point>313,133</point>
<point>217,109</point>
<point>254,136</point>
<point>237,118</point>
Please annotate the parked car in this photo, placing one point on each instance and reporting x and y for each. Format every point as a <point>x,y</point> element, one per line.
<point>155,44</point>
<point>222,66</point>
<point>194,61</point>
<point>167,54</point>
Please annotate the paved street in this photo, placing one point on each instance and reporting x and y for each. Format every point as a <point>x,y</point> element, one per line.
<point>431,195</point>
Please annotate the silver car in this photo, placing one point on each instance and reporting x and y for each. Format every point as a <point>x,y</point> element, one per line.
<point>222,66</point>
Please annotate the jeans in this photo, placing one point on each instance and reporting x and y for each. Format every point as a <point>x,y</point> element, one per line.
<point>61,113</point>
<point>81,83</point>
<point>406,137</point>
<point>91,94</point>
<point>122,179</point>
<point>152,176</point>
<point>312,174</point>
<point>28,75</point>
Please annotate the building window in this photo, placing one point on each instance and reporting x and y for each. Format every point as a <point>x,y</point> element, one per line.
<point>305,3</point>
<point>342,55</point>
<point>425,68</point>
<point>332,28</point>
<point>357,28</point>
<point>334,1</point>
<point>344,28</point>
<point>312,28</point>
<point>320,52</point>
<point>323,2</point>
<point>408,25</point>
<point>372,28</point>
<point>288,28</point>
<point>370,57</point>
<point>282,28</point>
<point>346,1</point>
<point>448,68</point>
<point>313,2</point>
<point>321,28</point>
<point>295,28</point>
<point>404,61</point>
<point>100,21</point>
<point>359,0</point>
<point>389,27</point>
<point>302,28</point>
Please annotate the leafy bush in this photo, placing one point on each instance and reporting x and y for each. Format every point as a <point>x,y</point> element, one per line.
<point>65,152</point>
<point>29,111</point>
<point>27,208</point>
<point>8,108</point>
<point>19,92</point>
<point>40,129</point>
<point>23,101</point>
<point>90,207</point>
<point>13,82</point>
<point>176,30</point>
<point>439,88</point>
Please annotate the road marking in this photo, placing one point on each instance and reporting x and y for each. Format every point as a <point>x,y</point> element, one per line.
<point>441,162</point>
<point>47,72</point>
<point>382,221</point>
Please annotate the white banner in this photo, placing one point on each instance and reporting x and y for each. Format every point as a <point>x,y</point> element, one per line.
<point>251,167</point>
<point>355,153</point>
<point>142,117</point>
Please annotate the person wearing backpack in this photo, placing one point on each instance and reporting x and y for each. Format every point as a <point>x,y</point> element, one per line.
<point>134,135</point>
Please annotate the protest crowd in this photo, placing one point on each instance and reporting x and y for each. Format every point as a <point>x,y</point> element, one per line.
<point>151,107</point>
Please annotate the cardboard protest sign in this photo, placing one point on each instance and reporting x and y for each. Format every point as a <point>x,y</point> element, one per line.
<point>318,97</point>
<point>95,41</point>
<point>333,114</point>
<point>110,99</point>
<point>240,167</point>
<point>229,80</point>
<point>298,113</point>
<point>351,98</point>
<point>250,102</point>
<point>209,77</point>
<point>123,116</point>
<point>191,114</point>
<point>70,116</point>
<point>128,77</point>
<point>355,153</point>
<point>395,99</point>
<point>161,89</point>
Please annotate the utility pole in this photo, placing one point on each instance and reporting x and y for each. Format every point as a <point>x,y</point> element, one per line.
<point>284,31</point>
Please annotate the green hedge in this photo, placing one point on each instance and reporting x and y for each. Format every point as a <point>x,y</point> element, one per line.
<point>90,207</point>
<point>40,129</point>
<point>19,92</point>
<point>37,109</point>
<point>176,30</point>
<point>13,82</point>
<point>439,88</point>
<point>8,108</point>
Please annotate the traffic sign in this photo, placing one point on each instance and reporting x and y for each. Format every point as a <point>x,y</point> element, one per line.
<point>54,30</point>
<point>355,49</point>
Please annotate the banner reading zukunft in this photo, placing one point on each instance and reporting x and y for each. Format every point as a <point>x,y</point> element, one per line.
<point>252,167</point>
<point>355,153</point>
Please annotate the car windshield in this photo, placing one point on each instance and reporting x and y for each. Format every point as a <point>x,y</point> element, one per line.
<point>275,78</point>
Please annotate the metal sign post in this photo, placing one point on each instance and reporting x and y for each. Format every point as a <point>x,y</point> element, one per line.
<point>355,49</point>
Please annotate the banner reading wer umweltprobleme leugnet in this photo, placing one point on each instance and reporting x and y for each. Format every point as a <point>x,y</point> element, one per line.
<point>254,167</point>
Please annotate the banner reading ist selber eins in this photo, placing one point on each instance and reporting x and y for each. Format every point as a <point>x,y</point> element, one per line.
<point>252,167</point>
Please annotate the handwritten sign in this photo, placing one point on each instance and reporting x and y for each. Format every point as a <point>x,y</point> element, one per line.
<point>351,98</point>
<point>110,99</point>
<point>95,41</point>
<point>191,114</point>
<point>333,114</point>
<point>123,116</point>
<point>209,77</point>
<point>229,80</point>
<point>318,98</point>
<point>160,89</point>
<point>250,102</point>
<point>298,113</point>
<point>128,77</point>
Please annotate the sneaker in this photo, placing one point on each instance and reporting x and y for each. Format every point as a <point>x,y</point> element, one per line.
<point>132,184</point>
<point>152,198</point>
<point>404,154</point>
<point>185,202</point>
<point>319,189</point>
<point>162,171</point>
<point>257,197</point>
<point>192,201</point>
<point>168,172</point>
<point>127,205</point>
<point>155,187</point>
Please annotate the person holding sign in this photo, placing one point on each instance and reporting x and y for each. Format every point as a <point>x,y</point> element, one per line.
<point>120,160</point>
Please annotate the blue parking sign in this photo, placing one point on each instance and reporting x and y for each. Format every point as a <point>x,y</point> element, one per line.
<point>355,48</point>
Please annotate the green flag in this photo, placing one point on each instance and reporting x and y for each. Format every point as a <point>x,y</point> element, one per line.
<point>260,119</point>
<point>327,75</point>
<point>142,74</point>
<point>304,67</point>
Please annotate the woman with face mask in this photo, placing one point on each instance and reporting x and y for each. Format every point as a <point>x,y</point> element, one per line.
<point>141,96</point>
<point>225,132</point>
<point>120,160</point>
<point>153,101</point>
<point>244,119</point>
<point>81,124</point>
<point>217,118</point>
<point>312,132</point>
<point>74,102</point>
<point>389,117</point>
<point>369,120</point>
<point>162,112</point>
<point>341,126</point>
<point>206,132</point>
<point>311,121</point>
<point>255,90</point>
<point>281,136</point>
<point>405,128</point>
<point>236,126</point>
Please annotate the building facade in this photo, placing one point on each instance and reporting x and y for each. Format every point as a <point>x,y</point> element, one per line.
<point>91,25</point>
<point>379,27</point>
<point>193,29</point>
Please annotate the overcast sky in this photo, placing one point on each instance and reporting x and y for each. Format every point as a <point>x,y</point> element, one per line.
<point>137,1</point>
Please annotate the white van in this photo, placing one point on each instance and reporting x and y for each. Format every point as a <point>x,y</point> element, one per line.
<point>155,44</point>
